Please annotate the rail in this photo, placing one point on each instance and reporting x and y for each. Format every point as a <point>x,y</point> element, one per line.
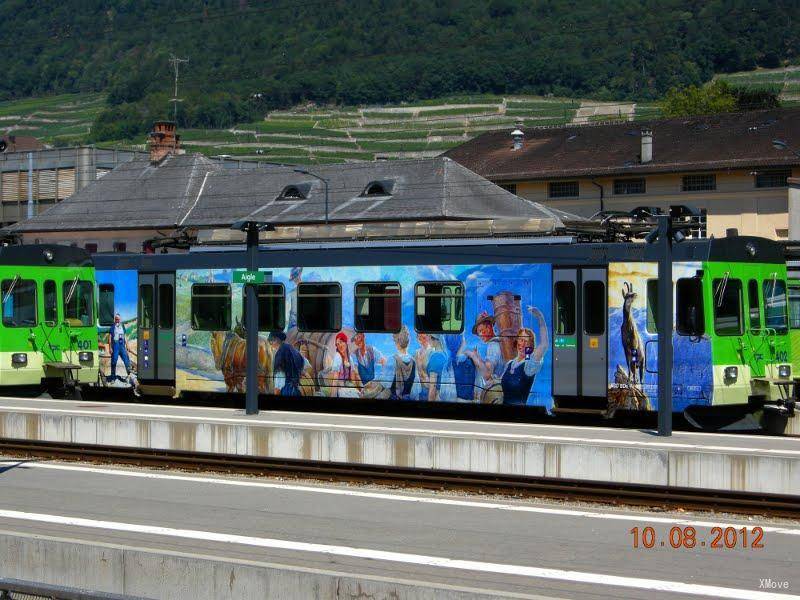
<point>483,483</point>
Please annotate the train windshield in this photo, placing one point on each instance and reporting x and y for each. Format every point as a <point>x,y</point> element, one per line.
<point>19,302</point>
<point>775,305</point>
<point>78,303</point>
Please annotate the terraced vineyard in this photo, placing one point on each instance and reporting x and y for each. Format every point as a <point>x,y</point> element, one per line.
<point>61,120</point>
<point>786,79</point>
<point>315,134</point>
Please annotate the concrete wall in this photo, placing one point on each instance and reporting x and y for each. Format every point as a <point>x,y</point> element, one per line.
<point>735,203</point>
<point>648,463</point>
<point>170,575</point>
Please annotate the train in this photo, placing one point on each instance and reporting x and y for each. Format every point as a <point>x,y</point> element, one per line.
<point>48,337</point>
<point>546,324</point>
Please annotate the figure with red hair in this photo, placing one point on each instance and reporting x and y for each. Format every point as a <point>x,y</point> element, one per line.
<point>343,370</point>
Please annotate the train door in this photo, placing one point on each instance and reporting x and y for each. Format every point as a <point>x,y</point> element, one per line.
<point>51,325</point>
<point>156,329</point>
<point>580,323</point>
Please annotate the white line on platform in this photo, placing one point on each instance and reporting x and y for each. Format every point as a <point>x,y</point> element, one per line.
<point>409,430</point>
<point>339,491</point>
<point>406,558</point>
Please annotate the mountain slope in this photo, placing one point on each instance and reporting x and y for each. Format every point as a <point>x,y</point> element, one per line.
<point>247,57</point>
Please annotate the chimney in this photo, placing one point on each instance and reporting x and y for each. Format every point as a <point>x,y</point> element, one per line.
<point>647,146</point>
<point>518,136</point>
<point>163,141</point>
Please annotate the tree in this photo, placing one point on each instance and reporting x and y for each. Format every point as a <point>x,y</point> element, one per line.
<point>712,98</point>
<point>718,97</point>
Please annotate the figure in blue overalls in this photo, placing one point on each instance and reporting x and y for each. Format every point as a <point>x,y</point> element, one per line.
<point>119,347</point>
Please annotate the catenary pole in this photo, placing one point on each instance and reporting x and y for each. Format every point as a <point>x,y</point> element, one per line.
<point>251,322</point>
<point>665,325</point>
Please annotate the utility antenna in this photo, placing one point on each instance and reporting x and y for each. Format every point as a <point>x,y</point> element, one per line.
<point>176,64</point>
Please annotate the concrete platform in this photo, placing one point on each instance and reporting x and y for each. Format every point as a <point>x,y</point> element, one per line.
<point>696,460</point>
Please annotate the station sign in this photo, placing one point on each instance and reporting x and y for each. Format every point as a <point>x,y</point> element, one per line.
<point>248,277</point>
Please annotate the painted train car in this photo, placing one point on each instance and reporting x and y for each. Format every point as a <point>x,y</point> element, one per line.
<point>545,323</point>
<point>48,337</point>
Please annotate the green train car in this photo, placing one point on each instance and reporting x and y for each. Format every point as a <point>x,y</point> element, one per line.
<point>48,335</point>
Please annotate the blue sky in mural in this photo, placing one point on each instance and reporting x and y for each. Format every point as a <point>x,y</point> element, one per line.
<point>124,283</point>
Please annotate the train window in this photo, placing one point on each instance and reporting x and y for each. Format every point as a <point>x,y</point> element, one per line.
<point>146,306</point>
<point>50,302</point>
<point>652,306</point>
<point>689,316</point>
<point>78,303</point>
<point>165,305</point>
<point>754,307</point>
<point>319,307</point>
<point>211,306</point>
<point>775,305</point>
<point>564,308</point>
<point>594,308</point>
<point>377,307</point>
<point>439,307</point>
<point>794,307</point>
<point>19,302</point>
<point>105,304</point>
<point>271,307</point>
<point>728,306</point>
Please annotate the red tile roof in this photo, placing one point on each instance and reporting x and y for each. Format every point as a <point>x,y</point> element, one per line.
<point>21,143</point>
<point>714,142</point>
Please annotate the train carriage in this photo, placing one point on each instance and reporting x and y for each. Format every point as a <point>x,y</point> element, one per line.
<point>47,333</point>
<point>545,323</point>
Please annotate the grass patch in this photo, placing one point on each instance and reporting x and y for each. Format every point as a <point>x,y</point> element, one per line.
<point>393,116</point>
<point>406,146</point>
<point>215,135</point>
<point>389,135</point>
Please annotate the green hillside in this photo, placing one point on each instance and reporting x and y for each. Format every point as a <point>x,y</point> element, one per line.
<point>249,57</point>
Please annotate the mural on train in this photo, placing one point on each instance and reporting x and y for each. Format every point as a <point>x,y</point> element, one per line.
<point>633,343</point>
<point>117,317</point>
<point>493,349</point>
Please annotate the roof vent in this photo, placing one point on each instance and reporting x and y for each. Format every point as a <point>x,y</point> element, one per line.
<point>647,146</point>
<point>378,188</point>
<point>518,136</point>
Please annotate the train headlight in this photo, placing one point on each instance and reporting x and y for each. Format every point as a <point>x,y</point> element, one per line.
<point>48,255</point>
<point>85,357</point>
<point>19,359</point>
<point>731,373</point>
<point>784,371</point>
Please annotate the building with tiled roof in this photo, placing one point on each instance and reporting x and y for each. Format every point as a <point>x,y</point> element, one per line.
<point>727,166</point>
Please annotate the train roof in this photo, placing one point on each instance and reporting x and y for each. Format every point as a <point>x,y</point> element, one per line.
<point>44,255</point>
<point>564,250</point>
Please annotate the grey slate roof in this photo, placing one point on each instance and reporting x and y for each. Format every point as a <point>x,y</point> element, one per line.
<point>135,195</point>
<point>193,191</point>
<point>427,189</point>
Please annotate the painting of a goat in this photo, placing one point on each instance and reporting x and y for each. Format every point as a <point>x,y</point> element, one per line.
<point>631,340</point>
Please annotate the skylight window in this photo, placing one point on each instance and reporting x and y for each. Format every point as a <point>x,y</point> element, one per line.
<point>291,192</point>
<point>377,188</point>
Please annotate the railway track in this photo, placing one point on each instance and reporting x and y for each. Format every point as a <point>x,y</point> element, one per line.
<point>661,497</point>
